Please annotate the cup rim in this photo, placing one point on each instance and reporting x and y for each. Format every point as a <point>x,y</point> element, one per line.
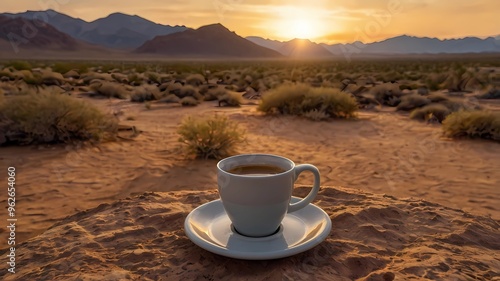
<point>255,154</point>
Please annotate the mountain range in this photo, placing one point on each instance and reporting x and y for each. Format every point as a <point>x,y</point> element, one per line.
<point>213,40</point>
<point>57,31</point>
<point>23,34</point>
<point>114,31</point>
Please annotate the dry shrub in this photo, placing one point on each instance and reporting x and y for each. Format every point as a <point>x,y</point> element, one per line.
<point>110,90</point>
<point>230,99</point>
<point>136,79</point>
<point>412,101</point>
<point>387,94</point>
<point>90,76</point>
<point>195,80</point>
<point>212,137</point>
<point>6,75</point>
<point>120,78</point>
<point>300,99</point>
<point>50,78</point>
<point>52,118</point>
<point>190,91</point>
<point>145,93</point>
<point>174,88</point>
<point>189,101</point>
<point>171,99</point>
<point>214,94</point>
<point>473,124</point>
<point>440,111</point>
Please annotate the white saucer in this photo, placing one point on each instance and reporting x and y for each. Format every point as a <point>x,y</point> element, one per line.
<point>209,227</point>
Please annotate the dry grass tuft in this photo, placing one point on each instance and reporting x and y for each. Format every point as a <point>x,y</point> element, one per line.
<point>189,101</point>
<point>473,124</point>
<point>230,99</point>
<point>213,137</point>
<point>387,94</point>
<point>170,99</point>
<point>52,118</point>
<point>110,90</point>
<point>300,99</point>
<point>412,101</point>
<point>195,80</point>
<point>145,93</point>
<point>437,110</point>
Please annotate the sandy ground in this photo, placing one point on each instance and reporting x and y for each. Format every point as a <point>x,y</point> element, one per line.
<point>374,238</point>
<point>382,153</point>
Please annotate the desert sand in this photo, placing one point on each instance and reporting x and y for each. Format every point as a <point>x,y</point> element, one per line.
<point>455,236</point>
<point>374,237</point>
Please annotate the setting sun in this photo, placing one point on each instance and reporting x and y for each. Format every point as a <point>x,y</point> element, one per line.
<point>293,23</point>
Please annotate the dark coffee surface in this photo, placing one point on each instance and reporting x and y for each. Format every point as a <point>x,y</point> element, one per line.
<point>256,170</point>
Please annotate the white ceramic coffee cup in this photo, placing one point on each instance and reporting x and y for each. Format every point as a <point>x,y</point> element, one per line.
<point>257,204</point>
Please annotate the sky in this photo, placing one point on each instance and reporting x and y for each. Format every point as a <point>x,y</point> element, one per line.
<point>328,21</point>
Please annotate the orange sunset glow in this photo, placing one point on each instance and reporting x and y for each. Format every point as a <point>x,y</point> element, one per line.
<point>321,21</point>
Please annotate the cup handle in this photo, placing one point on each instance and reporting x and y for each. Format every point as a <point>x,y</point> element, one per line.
<point>314,191</point>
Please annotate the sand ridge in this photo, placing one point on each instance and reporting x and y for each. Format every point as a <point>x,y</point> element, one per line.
<point>374,237</point>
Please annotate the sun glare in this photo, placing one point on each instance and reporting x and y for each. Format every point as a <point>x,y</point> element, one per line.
<point>299,23</point>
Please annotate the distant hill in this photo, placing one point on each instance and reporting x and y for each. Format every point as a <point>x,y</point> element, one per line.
<point>115,31</point>
<point>13,33</point>
<point>400,45</point>
<point>207,41</point>
<point>296,48</point>
<point>419,45</point>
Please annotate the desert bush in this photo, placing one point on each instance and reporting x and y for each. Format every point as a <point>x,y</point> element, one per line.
<point>213,137</point>
<point>135,79</point>
<point>120,78</point>
<point>174,88</point>
<point>434,81</point>
<point>440,111</point>
<point>65,67</point>
<point>387,94</point>
<point>72,74</point>
<point>190,91</point>
<point>300,99</point>
<point>214,94</point>
<point>230,99</point>
<point>145,93</point>
<point>195,80</point>
<point>20,65</point>
<point>33,79</point>
<point>90,76</point>
<point>110,90</point>
<point>473,124</point>
<point>171,99</point>
<point>153,77</point>
<point>52,118</point>
<point>410,102</point>
<point>50,78</point>
<point>189,101</point>
<point>491,93</point>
